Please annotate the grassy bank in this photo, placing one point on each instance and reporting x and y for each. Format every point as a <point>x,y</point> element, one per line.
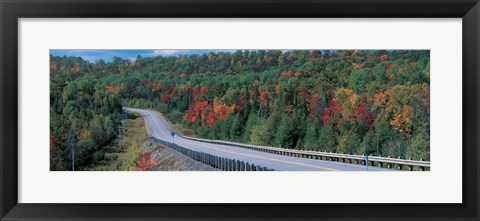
<point>137,152</point>
<point>124,157</point>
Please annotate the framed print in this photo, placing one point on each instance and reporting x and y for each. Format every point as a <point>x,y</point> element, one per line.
<point>286,110</point>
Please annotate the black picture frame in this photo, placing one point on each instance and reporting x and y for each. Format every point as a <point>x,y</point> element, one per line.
<point>11,11</point>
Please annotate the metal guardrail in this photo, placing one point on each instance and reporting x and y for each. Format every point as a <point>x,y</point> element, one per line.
<point>394,163</point>
<point>221,163</point>
<point>378,161</point>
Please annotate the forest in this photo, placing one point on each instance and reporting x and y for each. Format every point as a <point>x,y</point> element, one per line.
<point>345,101</point>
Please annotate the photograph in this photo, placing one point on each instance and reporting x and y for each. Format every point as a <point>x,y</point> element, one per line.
<point>240,110</point>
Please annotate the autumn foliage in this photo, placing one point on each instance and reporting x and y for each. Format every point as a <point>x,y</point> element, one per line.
<point>332,108</point>
<point>355,101</point>
<point>113,88</point>
<point>364,115</point>
<point>146,161</point>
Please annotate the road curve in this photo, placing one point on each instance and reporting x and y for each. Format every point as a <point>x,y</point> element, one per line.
<point>158,128</point>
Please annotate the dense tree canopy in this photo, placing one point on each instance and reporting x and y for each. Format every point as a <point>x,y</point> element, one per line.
<point>375,102</point>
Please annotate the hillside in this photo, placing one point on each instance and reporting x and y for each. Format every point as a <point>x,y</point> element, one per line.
<point>343,101</point>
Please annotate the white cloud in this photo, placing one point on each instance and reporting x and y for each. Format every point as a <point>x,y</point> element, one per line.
<point>168,52</point>
<point>88,58</point>
<point>231,51</point>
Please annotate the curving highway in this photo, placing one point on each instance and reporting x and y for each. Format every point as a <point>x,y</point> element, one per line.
<point>158,127</point>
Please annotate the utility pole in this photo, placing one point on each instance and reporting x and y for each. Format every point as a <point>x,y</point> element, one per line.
<point>73,157</point>
<point>120,129</point>
<point>71,137</point>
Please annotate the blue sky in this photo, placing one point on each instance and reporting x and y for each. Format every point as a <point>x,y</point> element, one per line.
<point>107,55</point>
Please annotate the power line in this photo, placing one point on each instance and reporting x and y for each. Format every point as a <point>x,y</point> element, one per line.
<point>71,145</point>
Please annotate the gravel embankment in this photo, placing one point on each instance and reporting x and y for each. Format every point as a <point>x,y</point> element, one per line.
<point>171,160</point>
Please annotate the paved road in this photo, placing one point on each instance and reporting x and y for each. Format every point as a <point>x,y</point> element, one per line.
<point>158,128</point>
